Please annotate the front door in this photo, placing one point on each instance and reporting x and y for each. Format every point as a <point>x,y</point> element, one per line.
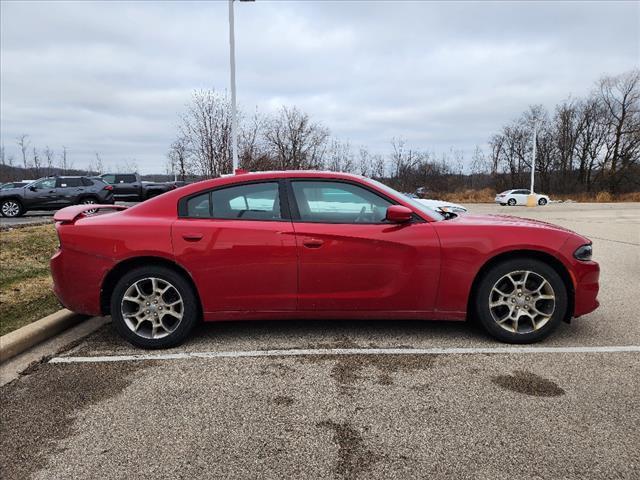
<point>239,247</point>
<point>352,259</point>
<point>42,194</point>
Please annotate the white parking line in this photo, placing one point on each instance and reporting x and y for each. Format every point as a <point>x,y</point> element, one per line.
<point>345,351</point>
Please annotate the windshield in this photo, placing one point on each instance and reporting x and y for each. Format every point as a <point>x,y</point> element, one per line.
<point>412,201</point>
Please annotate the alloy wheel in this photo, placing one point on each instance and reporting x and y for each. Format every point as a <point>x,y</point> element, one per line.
<point>522,301</point>
<point>10,208</point>
<point>89,201</point>
<point>152,308</point>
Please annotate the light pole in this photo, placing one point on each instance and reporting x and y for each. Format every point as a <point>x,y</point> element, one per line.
<point>234,117</point>
<point>232,62</point>
<point>533,160</point>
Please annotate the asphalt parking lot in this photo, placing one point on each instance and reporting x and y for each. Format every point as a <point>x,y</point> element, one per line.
<point>219,408</point>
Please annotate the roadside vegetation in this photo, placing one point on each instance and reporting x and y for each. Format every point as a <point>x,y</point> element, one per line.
<point>25,281</point>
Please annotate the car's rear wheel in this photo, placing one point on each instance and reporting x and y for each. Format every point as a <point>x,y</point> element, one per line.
<point>89,201</point>
<point>511,202</point>
<point>521,300</point>
<point>11,208</point>
<point>154,307</point>
<point>542,202</point>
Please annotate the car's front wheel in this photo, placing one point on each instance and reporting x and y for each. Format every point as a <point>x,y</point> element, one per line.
<point>511,202</point>
<point>521,300</point>
<point>11,208</point>
<point>154,307</point>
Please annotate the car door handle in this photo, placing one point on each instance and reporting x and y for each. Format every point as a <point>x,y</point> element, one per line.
<point>313,243</point>
<point>192,237</point>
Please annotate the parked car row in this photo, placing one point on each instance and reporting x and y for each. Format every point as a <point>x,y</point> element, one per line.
<point>53,193</point>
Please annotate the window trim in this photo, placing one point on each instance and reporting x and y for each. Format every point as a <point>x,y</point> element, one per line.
<point>295,211</point>
<point>285,214</point>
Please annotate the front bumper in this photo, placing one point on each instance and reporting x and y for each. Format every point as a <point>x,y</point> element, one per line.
<point>586,277</point>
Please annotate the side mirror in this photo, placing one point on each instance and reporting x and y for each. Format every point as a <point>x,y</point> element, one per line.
<point>32,188</point>
<point>398,214</point>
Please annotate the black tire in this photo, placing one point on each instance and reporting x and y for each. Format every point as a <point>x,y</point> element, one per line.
<point>190,310</point>
<point>542,202</point>
<point>11,208</point>
<point>511,202</point>
<point>88,200</point>
<point>484,292</point>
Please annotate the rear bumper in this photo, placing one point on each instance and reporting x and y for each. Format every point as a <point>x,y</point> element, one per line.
<point>586,277</point>
<point>77,280</point>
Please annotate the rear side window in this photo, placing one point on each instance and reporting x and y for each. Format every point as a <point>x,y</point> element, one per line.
<point>86,182</point>
<point>256,201</point>
<point>200,206</point>
<point>125,179</point>
<point>68,182</point>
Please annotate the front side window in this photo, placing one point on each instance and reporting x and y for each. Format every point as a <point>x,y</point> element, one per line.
<point>337,202</point>
<point>45,183</point>
<point>257,201</point>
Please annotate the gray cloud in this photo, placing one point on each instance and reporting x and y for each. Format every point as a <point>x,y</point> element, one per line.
<point>114,77</point>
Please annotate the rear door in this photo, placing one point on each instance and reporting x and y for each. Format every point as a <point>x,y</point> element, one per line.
<point>68,190</point>
<point>127,184</point>
<point>238,243</point>
<point>350,258</point>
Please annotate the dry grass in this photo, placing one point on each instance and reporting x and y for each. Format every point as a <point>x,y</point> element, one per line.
<point>25,282</point>
<point>487,195</point>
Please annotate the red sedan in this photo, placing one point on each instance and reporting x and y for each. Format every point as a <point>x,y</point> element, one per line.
<point>314,245</point>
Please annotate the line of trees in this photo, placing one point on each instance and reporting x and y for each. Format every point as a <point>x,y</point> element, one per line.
<point>34,162</point>
<point>583,145</point>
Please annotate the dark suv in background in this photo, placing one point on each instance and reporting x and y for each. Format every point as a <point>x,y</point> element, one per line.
<point>130,186</point>
<point>52,193</point>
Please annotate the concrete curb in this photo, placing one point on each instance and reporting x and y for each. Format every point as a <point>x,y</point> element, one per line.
<point>16,342</point>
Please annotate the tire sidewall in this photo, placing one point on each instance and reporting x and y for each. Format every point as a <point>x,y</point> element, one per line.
<point>512,202</point>
<point>498,271</point>
<point>190,302</point>
<point>542,202</point>
<point>17,202</point>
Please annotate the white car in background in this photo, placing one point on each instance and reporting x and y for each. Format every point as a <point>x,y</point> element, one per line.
<point>519,197</point>
<point>442,206</point>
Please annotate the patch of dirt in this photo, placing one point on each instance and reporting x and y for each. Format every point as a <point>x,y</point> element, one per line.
<point>342,341</point>
<point>284,400</point>
<point>276,369</point>
<point>39,410</point>
<point>348,370</point>
<point>353,457</point>
<point>529,384</point>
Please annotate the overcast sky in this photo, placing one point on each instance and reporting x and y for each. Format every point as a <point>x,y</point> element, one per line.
<point>113,77</point>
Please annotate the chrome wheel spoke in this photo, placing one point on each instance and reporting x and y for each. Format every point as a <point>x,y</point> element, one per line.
<point>532,296</point>
<point>155,314</point>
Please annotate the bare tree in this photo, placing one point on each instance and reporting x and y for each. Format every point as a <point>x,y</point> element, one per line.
<point>179,158</point>
<point>620,96</point>
<point>295,141</point>
<point>49,157</point>
<point>99,167</point>
<point>23,144</point>
<point>206,129</point>
<point>37,162</point>
<point>339,157</point>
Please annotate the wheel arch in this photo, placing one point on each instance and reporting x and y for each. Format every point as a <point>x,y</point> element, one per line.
<point>552,261</point>
<point>112,277</point>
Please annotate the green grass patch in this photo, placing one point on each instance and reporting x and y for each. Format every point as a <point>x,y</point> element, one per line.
<point>25,282</point>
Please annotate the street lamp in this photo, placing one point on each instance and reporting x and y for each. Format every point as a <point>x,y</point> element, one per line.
<point>232,61</point>
<point>533,160</point>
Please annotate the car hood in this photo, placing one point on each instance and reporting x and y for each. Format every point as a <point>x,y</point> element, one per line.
<point>506,221</point>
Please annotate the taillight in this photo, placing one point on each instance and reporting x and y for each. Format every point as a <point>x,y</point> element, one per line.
<point>108,187</point>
